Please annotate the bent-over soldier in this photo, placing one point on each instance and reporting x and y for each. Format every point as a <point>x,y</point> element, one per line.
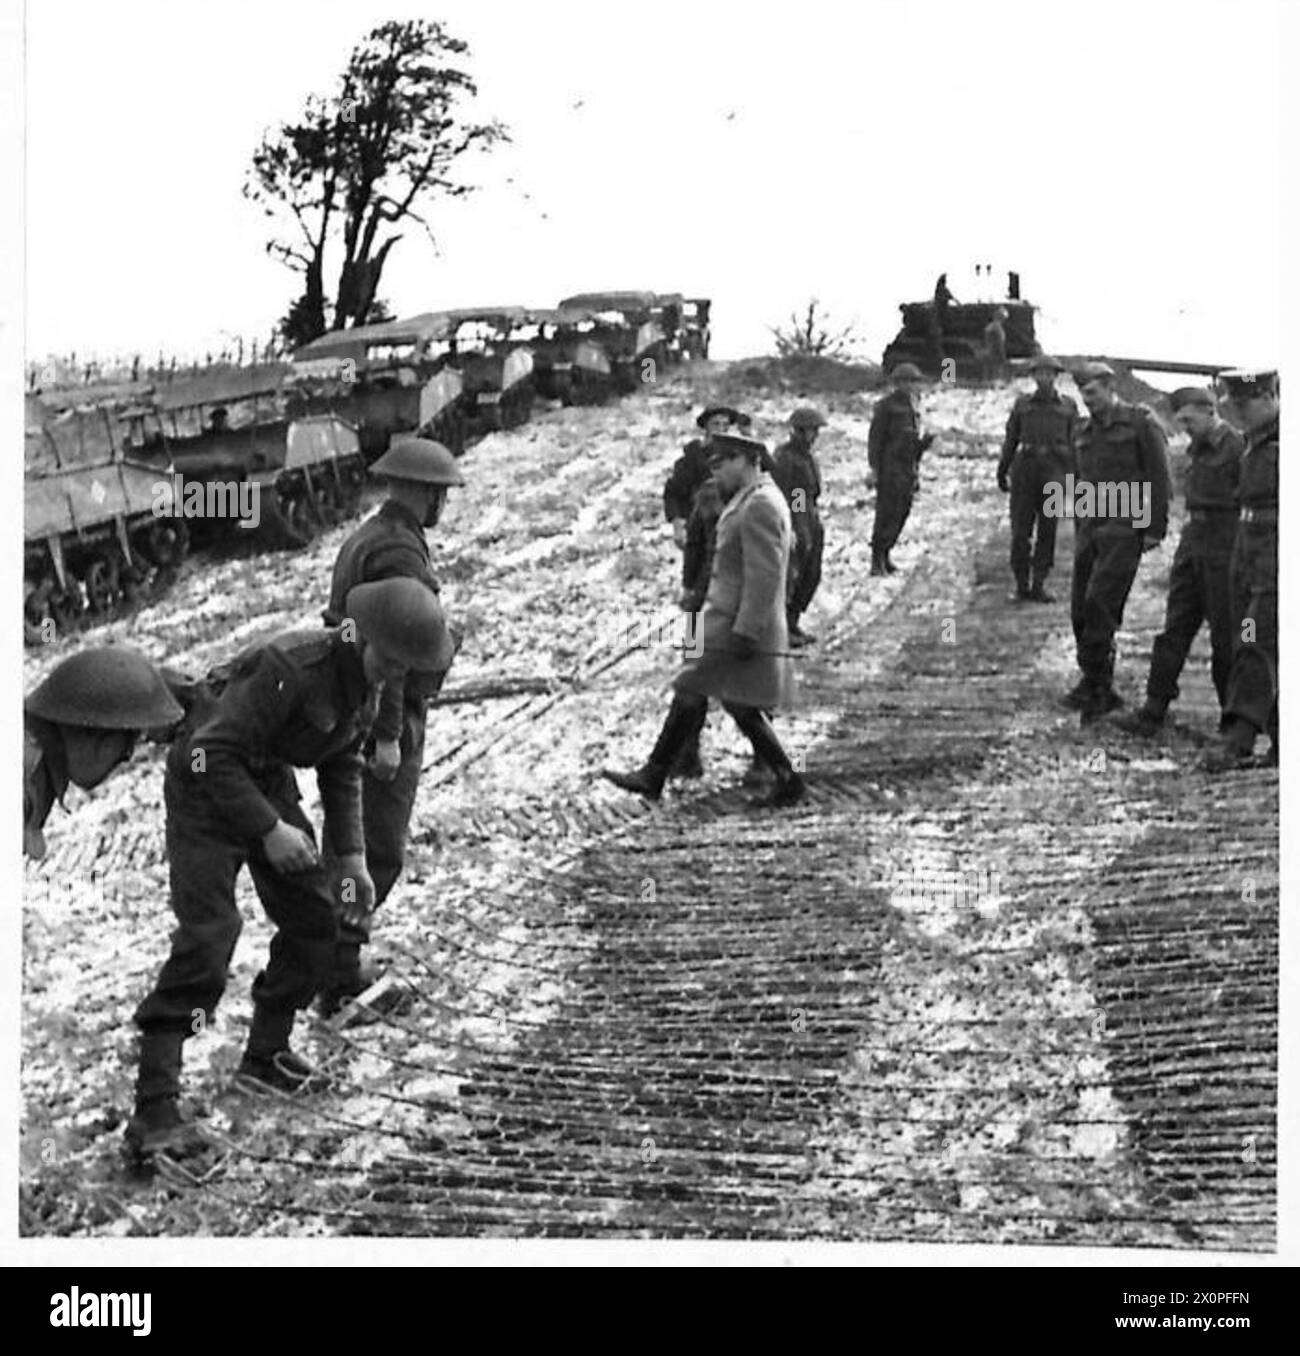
<point>798,477</point>
<point>305,699</point>
<point>1198,580</point>
<point>894,447</point>
<point>742,657</point>
<point>1250,704</point>
<point>1037,452</point>
<point>390,544</point>
<point>83,721</point>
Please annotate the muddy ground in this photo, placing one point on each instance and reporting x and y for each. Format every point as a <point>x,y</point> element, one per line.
<point>1000,979</point>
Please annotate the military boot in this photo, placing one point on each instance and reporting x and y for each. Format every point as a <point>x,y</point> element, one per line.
<point>878,563</point>
<point>1234,748</point>
<point>157,1124</point>
<point>1038,593</point>
<point>269,1063</point>
<point>1021,592</point>
<point>1077,697</point>
<point>890,567</point>
<point>1146,722</point>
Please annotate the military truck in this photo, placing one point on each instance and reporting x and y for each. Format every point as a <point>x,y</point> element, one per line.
<point>384,379</point>
<point>569,363</point>
<point>97,525</point>
<point>240,458</point>
<point>695,327</point>
<point>490,347</point>
<point>629,326</point>
<point>960,340</point>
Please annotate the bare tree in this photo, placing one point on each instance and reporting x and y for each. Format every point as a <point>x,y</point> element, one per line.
<point>362,161</point>
<point>813,334</point>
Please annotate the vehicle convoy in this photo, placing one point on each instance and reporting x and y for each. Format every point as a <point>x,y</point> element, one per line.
<point>388,378</point>
<point>240,457</point>
<point>630,327</point>
<point>569,364</point>
<point>98,534</point>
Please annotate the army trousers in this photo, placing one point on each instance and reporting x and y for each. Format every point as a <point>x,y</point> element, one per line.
<point>204,857</point>
<point>895,490</point>
<point>1198,593</point>
<point>1033,532</point>
<point>386,818</point>
<point>1252,685</point>
<point>1106,559</point>
<point>805,563</point>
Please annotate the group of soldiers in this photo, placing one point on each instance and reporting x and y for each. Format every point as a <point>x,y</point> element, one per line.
<point>1224,573</point>
<point>349,698</point>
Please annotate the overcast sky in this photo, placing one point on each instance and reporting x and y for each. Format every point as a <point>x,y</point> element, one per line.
<point>1123,157</point>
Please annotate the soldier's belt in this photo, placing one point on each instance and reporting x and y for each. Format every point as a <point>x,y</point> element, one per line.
<point>1217,512</point>
<point>1259,515</point>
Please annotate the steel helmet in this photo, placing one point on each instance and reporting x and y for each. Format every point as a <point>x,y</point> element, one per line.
<point>1045,362</point>
<point>907,372</point>
<point>419,459</point>
<point>109,687</point>
<point>405,619</point>
<point>806,416</point>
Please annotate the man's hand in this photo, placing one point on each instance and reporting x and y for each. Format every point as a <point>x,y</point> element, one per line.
<point>355,889</point>
<point>385,760</point>
<point>288,849</point>
<point>1004,480</point>
<point>927,440</point>
<point>743,647</point>
<point>690,600</point>
<point>679,532</point>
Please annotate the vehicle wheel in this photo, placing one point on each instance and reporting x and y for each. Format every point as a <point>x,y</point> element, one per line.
<point>101,584</point>
<point>164,542</point>
<point>66,606</point>
<point>328,501</point>
<point>298,515</point>
<point>36,610</point>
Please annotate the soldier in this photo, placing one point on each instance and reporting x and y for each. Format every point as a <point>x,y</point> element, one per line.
<point>1123,491</point>
<point>743,640</point>
<point>1037,452</point>
<point>305,699</point>
<point>1250,705</point>
<point>390,545</point>
<point>894,448</point>
<point>82,722</point>
<point>797,476</point>
<point>1198,581</point>
<point>995,345</point>
<point>691,469</point>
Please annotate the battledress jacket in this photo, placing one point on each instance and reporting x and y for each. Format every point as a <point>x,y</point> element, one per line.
<point>299,701</point>
<point>747,592</point>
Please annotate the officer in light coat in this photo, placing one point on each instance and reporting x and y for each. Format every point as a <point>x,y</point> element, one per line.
<point>741,650</point>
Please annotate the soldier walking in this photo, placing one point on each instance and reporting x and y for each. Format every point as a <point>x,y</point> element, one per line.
<point>995,345</point>
<point>1037,452</point>
<point>305,699</point>
<point>742,659</point>
<point>1124,468</point>
<point>691,469</point>
<point>1250,705</point>
<point>1198,581</point>
<point>798,477</point>
<point>389,545</point>
<point>894,447</point>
